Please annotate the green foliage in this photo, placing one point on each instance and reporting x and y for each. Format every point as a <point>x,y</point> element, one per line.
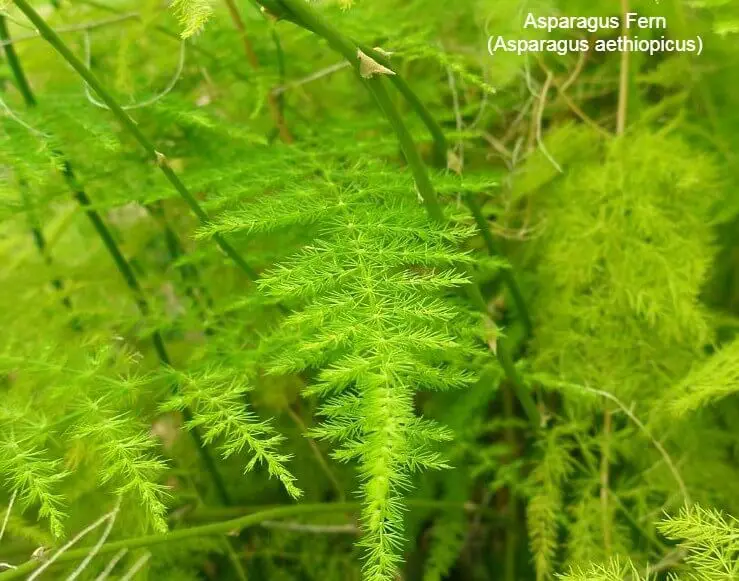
<point>714,379</point>
<point>217,406</point>
<point>613,571</point>
<point>545,508</point>
<point>192,14</point>
<point>372,322</point>
<point>710,539</point>
<point>27,471</point>
<point>350,343</point>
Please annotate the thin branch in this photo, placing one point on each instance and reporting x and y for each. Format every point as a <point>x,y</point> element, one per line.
<point>526,232</point>
<point>7,514</point>
<point>314,529</point>
<point>111,565</point>
<point>136,567</point>
<point>85,26</point>
<point>538,121</point>
<point>64,550</point>
<point>574,107</point>
<point>455,101</point>
<point>312,77</point>
<point>605,463</point>
<point>523,394</point>
<point>435,130</point>
<point>216,513</point>
<point>275,112</point>
<point>10,18</point>
<point>214,529</point>
<point>513,126</point>
<point>14,64</point>
<point>459,146</point>
<point>497,145</point>
<point>581,59</point>
<point>647,534</point>
<point>101,541</point>
<point>145,103</point>
<point>506,274</point>
<point>9,112</point>
<point>667,562</point>
<point>609,396</point>
<point>297,420</point>
<point>233,557</point>
<point>483,103</point>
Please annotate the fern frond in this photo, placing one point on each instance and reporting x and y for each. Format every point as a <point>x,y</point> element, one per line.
<point>128,457</point>
<point>544,510</point>
<point>447,541</point>
<point>372,314</point>
<point>192,14</point>
<point>36,479</point>
<point>608,307</point>
<point>216,401</point>
<point>712,541</point>
<point>614,570</point>
<point>716,378</point>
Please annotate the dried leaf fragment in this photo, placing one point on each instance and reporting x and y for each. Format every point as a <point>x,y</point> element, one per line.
<point>369,66</point>
<point>453,162</point>
<point>383,52</point>
<point>273,17</point>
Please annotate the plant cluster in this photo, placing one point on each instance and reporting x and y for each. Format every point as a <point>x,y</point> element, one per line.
<point>321,290</point>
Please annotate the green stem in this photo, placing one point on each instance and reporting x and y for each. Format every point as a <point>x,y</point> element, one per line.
<point>214,529</point>
<point>420,175</point>
<point>207,514</point>
<point>39,241</point>
<point>440,148</point>
<point>25,90</point>
<point>505,358</point>
<point>173,243</point>
<point>306,17</point>
<point>194,287</point>
<point>223,527</point>
<point>123,265</point>
<point>503,349</point>
<point>129,125</point>
<point>279,7</point>
<point>15,65</point>
<point>523,394</point>
<point>508,278</point>
<point>437,134</point>
<point>512,514</point>
<point>280,56</point>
